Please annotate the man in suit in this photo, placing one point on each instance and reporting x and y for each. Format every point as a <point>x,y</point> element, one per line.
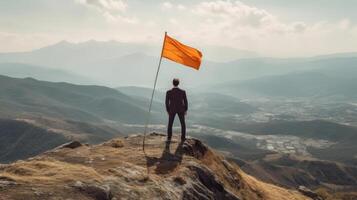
<point>176,103</point>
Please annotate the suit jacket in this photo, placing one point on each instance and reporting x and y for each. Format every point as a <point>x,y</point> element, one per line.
<point>176,101</point>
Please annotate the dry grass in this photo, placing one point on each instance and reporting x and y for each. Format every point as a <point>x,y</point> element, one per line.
<point>49,171</point>
<point>271,192</point>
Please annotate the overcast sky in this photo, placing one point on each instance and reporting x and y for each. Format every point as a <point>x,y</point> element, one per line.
<point>281,28</point>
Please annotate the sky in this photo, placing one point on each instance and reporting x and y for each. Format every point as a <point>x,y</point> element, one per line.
<point>278,28</point>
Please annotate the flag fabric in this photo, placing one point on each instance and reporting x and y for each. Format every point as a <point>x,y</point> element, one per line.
<point>180,53</point>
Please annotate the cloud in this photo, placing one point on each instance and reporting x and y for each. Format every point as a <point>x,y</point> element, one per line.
<point>236,13</point>
<point>239,25</point>
<point>114,5</point>
<point>181,7</point>
<point>112,10</point>
<point>169,6</point>
<point>199,23</point>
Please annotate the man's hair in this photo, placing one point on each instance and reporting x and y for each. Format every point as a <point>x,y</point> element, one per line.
<point>176,82</point>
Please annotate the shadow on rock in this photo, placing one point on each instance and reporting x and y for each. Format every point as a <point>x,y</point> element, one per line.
<point>168,161</point>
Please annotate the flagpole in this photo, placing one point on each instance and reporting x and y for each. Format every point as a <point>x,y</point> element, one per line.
<point>153,92</point>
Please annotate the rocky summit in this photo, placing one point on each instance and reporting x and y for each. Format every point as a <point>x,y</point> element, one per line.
<point>119,169</point>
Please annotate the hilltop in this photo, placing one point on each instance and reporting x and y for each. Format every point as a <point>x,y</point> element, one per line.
<point>118,169</point>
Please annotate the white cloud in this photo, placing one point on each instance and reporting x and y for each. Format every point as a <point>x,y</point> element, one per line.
<point>173,21</point>
<point>198,23</point>
<point>181,7</point>
<point>112,10</point>
<point>234,14</point>
<point>345,24</point>
<point>167,5</point>
<point>114,5</point>
<point>235,24</point>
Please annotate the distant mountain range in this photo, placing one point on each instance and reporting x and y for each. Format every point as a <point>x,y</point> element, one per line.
<point>110,63</point>
<point>20,70</point>
<point>333,77</point>
<point>122,64</point>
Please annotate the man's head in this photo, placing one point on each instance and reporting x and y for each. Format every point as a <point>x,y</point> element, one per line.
<point>176,82</point>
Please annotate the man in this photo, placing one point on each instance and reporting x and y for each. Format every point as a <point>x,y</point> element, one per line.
<point>176,103</point>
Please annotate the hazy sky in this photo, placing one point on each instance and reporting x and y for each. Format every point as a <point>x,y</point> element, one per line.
<point>269,27</point>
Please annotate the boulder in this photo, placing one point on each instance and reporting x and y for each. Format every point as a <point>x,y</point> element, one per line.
<point>194,148</point>
<point>115,143</point>
<point>98,192</point>
<point>309,193</point>
<point>70,145</point>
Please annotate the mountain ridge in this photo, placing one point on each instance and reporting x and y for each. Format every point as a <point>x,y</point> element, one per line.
<point>107,171</point>
<point>108,62</point>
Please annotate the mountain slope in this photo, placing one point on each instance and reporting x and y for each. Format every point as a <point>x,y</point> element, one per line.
<point>24,138</point>
<point>29,97</point>
<point>19,140</point>
<point>111,170</point>
<point>292,171</point>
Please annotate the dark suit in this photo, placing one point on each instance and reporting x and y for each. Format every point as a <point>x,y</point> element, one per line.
<point>176,103</point>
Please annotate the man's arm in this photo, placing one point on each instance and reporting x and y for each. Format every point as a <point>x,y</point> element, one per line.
<point>167,101</point>
<point>185,101</point>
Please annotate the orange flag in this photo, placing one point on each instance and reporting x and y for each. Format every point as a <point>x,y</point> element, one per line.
<point>180,53</point>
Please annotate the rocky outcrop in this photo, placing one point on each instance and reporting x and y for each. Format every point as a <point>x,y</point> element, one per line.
<point>309,193</point>
<point>98,192</point>
<point>6,182</point>
<point>213,188</point>
<point>71,145</point>
<point>119,169</point>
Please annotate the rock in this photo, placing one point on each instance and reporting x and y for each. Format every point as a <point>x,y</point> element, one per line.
<point>98,192</point>
<point>234,178</point>
<point>157,134</point>
<point>213,188</point>
<point>309,193</point>
<point>70,145</point>
<point>38,193</point>
<point>166,171</point>
<point>6,182</point>
<point>115,143</point>
<point>194,148</point>
<point>179,180</point>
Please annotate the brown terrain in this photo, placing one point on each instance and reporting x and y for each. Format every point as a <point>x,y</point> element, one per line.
<point>119,169</point>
